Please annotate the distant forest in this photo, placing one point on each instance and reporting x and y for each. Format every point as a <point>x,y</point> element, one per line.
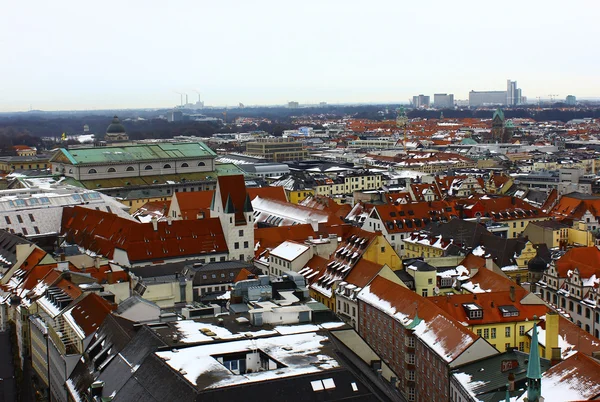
<point>29,127</point>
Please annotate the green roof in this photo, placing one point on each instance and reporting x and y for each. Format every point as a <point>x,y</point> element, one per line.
<point>226,169</point>
<point>135,153</point>
<point>498,113</point>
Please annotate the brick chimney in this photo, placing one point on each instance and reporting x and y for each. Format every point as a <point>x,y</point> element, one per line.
<point>512,294</point>
<point>154,223</point>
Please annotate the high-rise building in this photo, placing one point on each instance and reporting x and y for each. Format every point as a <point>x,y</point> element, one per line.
<point>487,98</point>
<point>293,105</point>
<point>420,101</point>
<point>511,93</point>
<point>442,101</point>
<point>571,100</point>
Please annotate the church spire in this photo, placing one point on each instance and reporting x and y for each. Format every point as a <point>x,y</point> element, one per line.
<point>534,372</point>
<point>229,209</point>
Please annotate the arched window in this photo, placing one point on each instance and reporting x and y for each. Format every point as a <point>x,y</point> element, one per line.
<point>201,164</point>
<point>111,170</point>
<point>130,169</point>
<point>167,166</point>
<point>70,170</point>
<point>92,171</point>
<point>148,167</point>
<point>185,165</point>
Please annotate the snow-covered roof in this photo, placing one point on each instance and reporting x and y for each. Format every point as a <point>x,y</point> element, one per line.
<point>289,250</point>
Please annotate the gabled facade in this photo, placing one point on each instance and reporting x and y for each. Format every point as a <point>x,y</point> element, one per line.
<point>232,206</point>
<point>571,285</point>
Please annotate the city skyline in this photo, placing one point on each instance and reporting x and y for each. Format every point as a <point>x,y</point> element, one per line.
<point>66,56</point>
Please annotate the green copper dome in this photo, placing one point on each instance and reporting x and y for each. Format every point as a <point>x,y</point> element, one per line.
<point>115,127</point>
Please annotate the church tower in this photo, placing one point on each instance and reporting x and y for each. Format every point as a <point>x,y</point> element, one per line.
<point>497,126</point>
<point>534,372</point>
<point>231,204</point>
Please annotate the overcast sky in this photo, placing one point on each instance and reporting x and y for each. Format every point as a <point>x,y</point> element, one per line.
<point>130,54</point>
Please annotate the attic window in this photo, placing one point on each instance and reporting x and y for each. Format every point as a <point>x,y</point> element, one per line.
<point>473,310</point>
<point>508,311</point>
<point>411,212</point>
<point>393,213</point>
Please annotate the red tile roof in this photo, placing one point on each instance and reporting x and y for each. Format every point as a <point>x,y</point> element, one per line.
<point>450,336</point>
<point>490,303</point>
<point>363,273</point>
<point>500,208</point>
<point>413,216</point>
<point>234,188</point>
<point>585,259</point>
<point>90,312</point>
<point>272,237</point>
<point>102,232</point>
<point>574,207</point>
<point>192,203</point>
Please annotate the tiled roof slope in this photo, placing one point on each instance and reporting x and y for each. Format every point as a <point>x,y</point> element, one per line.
<point>446,336</point>
<point>490,303</point>
<point>585,259</point>
<point>574,379</point>
<point>90,312</point>
<point>233,188</point>
<point>102,232</point>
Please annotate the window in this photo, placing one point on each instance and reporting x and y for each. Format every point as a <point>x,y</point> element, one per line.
<point>383,249</point>
<point>129,169</point>
<point>24,231</point>
<point>7,219</point>
<point>570,303</point>
<point>493,333</point>
<point>521,330</point>
<point>506,346</point>
<point>430,281</point>
<point>222,275</point>
<point>411,375</point>
<point>411,358</point>
<point>522,346</point>
<point>241,233</point>
<point>214,276</point>
<point>579,309</point>
<point>185,165</point>
<point>486,333</point>
<point>201,164</point>
<point>148,167</point>
<point>167,166</point>
<point>19,219</point>
<point>111,170</point>
<point>424,293</point>
<point>411,393</point>
<point>31,218</point>
<point>92,171</point>
<point>236,245</point>
<point>507,332</point>
<point>245,244</point>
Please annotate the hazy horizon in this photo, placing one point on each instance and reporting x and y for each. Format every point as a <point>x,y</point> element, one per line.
<point>66,55</point>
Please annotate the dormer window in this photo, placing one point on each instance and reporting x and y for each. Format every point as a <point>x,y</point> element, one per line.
<point>473,310</point>
<point>508,311</point>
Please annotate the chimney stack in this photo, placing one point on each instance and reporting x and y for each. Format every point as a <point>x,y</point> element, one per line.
<point>511,382</point>
<point>154,223</point>
<point>552,348</point>
<point>169,220</point>
<point>512,294</point>
<point>96,262</point>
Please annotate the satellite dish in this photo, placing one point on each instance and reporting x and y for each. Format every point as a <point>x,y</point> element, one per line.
<point>436,291</point>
